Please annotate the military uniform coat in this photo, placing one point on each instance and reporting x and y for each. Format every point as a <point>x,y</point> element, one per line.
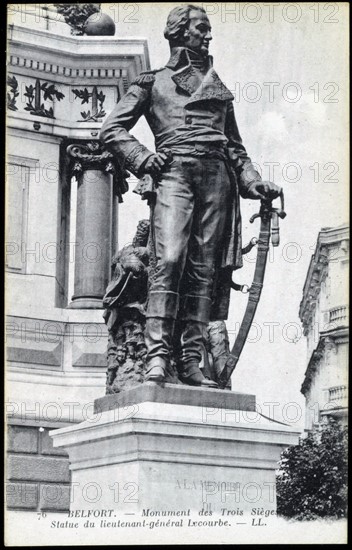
<point>185,109</point>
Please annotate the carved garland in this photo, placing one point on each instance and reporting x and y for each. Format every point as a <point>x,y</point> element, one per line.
<point>90,156</point>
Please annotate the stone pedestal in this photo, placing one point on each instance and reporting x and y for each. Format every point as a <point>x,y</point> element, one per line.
<point>174,448</point>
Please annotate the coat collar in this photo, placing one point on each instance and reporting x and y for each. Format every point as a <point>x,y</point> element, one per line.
<point>188,79</point>
<point>179,58</point>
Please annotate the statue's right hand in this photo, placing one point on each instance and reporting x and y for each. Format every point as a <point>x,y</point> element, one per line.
<point>134,264</point>
<point>156,163</point>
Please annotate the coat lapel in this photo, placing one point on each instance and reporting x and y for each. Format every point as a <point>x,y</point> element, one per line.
<point>187,79</point>
<point>211,87</point>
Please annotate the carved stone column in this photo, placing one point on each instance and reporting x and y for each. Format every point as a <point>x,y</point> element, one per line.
<point>99,178</point>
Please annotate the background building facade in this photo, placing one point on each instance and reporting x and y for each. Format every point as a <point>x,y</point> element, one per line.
<point>324,314</point>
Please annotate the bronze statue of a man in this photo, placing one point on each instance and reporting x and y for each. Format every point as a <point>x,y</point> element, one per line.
<point>200,168</point>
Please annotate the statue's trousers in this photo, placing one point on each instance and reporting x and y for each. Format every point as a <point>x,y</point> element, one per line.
<point>189,222</point>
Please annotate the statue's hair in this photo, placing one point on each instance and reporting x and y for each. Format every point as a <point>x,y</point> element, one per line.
<point>177,22</point>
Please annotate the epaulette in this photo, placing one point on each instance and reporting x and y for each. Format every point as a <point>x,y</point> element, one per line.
<point>146,78</point>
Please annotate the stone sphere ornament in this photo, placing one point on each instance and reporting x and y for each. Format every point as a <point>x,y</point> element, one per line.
<point>99,25</point>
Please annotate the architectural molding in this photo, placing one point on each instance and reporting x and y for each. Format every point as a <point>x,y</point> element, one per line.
<point>328,340</point>
<point>59,70</point>
<point>19,122</point>
<point>44,356</point>
<point>85,56</point>
<point>332,245</point>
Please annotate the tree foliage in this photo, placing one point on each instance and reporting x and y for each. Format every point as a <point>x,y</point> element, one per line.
<point>312,479</point>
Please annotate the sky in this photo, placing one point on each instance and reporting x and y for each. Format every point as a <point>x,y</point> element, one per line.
<point>286,66</point>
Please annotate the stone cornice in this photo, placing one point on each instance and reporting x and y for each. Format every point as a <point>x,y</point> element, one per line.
<point>26,65</point>
<point>99,51</point>
<point>75,60</point>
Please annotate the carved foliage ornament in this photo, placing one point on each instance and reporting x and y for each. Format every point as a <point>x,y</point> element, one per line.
<point>91,156</point>
<point>34,94</point>
<point>13,93</point>
<point>97,98</point>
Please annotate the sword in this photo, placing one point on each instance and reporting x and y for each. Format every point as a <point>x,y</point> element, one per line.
<point>269,226</point>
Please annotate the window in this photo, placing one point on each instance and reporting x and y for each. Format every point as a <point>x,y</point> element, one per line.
<point>17,187</point>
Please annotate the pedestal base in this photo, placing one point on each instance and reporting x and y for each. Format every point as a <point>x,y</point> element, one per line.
<point>145,456</point>
<point>86,303</point>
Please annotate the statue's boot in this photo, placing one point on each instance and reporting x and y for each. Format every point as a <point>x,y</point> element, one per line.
<point>190,374</point>
<point>155,371</point>
<point>158,335</point>
<point>191,343</point>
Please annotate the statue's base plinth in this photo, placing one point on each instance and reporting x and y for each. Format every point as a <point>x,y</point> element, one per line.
<point>176,394</point>
<point>174,448</point>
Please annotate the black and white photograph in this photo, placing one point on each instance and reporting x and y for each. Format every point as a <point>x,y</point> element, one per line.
<point>176,273</point>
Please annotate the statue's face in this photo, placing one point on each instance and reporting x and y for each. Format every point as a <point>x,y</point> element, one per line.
<point>198,34</point>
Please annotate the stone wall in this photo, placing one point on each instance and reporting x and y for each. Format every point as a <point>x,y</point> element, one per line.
<point>37,475</point>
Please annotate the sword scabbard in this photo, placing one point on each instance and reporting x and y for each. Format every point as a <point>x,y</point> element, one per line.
<point>267,216</point>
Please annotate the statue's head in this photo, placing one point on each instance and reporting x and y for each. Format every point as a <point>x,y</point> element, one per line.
<point>189,26</point>
<point>120,353</point>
